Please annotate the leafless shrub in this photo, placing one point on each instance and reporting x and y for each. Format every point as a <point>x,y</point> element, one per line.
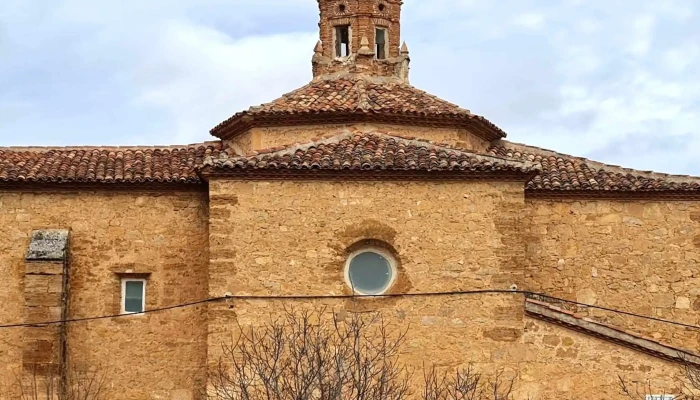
<point>690,387</point>
<point>692,375</point>
<point>298,356</point>
<point>466,384</point>
<point>45,383</point>
<point>645,391</point>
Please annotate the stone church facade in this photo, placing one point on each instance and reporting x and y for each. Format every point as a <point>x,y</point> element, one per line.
<point>357,160</point>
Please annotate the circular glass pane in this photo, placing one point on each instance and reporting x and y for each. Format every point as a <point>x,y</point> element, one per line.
<point>369,273</point>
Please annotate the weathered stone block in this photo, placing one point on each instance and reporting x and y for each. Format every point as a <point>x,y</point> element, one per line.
<point>683,303</point>
<point>48,245</point>
<point>503,334</point>
<point>44,268</point>
<point>695,216</point>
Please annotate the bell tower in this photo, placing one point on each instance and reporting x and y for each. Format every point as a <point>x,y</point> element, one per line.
<point>360,37</point>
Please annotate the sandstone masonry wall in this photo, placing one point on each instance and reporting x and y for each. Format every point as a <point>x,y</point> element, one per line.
<point>292,237</point>
<point>161,235</point>
<point>642,257</point>
<point>558,364</point>
<point>265,138</point>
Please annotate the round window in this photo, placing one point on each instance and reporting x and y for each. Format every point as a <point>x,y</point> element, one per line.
<point>370,271</point>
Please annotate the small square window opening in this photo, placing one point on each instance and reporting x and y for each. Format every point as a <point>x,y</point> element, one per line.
<point>342,41</point>
<point>380,35</point>
<point>133,296</point>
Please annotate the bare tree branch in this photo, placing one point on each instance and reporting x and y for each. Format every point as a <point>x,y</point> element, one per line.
<point>43,383</point>
<point>300,356</point>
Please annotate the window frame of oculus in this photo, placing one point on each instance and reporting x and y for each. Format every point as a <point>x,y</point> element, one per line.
<point>373,258</point>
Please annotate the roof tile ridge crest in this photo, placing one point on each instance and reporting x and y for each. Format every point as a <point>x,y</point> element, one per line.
<point>332,138</point>
<point>592,164</point>
<point>435,97</point>
<point>362,95</point>
<point>425,143</point>
<point>253,109</point>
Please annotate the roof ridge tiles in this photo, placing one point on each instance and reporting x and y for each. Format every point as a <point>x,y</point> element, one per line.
<point>562,174</point>
<point>619,169</point>
<point>104,164</point>
<point>354,149</point>
<point>357,96</point>
<point>211,143</point>
<point>338,137</point>
<point>438,98</point>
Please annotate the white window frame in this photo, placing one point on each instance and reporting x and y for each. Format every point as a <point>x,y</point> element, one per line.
<point>386,41</point>
<point>382,252</point>
<point>336,40</point>
<point>143,295</point>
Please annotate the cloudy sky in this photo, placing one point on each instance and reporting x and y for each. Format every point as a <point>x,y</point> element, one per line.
<point>618,81</point>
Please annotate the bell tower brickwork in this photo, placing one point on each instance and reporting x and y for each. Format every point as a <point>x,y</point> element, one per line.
<point>360,36</point>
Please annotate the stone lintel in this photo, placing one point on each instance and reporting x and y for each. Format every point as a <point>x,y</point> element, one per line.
<point>549,313</point>
<point>48,245</point>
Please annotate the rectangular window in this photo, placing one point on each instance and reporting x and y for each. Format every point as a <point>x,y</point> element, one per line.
<point>133,296</point>
<point>380,35</point>
<point>342,41</point>
<point>660,397</point>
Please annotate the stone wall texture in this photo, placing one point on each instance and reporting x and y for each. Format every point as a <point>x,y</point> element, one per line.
<point>643,257</point>
<point>161,235</point>
<point>293,237</point>
<point>269,137</point>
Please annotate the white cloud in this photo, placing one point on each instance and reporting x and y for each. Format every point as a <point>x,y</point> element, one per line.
<point>678,59</point>
<point>211,76</point>
<point>583,78</point>
<point>529,20</point>
<point>641,32</point>
<point>588,26</point>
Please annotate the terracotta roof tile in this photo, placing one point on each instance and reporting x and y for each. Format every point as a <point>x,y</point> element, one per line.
<point>357,95</point>
<point>562,172</point>
<point>105,164</point>
<point>371,151</point>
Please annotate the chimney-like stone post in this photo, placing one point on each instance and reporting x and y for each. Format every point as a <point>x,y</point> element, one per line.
<point>46,294</point>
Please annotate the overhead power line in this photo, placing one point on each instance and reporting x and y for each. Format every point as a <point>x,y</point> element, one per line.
<point>346,297</point>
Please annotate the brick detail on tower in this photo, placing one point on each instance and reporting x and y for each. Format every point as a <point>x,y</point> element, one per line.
<point>360,20</point>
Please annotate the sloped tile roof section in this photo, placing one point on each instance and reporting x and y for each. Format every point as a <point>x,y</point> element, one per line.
<point>358,99</point>
<point>548,312</point>
<point>368,153</point>
<point>104,165</point>
<point>565,175</point>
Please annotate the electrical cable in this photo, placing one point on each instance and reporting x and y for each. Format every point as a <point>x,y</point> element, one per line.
<point>347,297</point>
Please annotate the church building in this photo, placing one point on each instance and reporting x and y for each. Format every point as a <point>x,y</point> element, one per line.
<point>356,184</point>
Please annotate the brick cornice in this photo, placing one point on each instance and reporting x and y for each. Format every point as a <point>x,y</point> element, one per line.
<point>246,122</point>
<point>628,195</point>
<point>24,186</point>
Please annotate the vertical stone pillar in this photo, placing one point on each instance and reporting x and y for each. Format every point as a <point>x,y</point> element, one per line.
<point>46,299</point>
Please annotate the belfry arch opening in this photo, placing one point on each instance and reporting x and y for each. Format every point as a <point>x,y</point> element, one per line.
<point>342,41</point>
